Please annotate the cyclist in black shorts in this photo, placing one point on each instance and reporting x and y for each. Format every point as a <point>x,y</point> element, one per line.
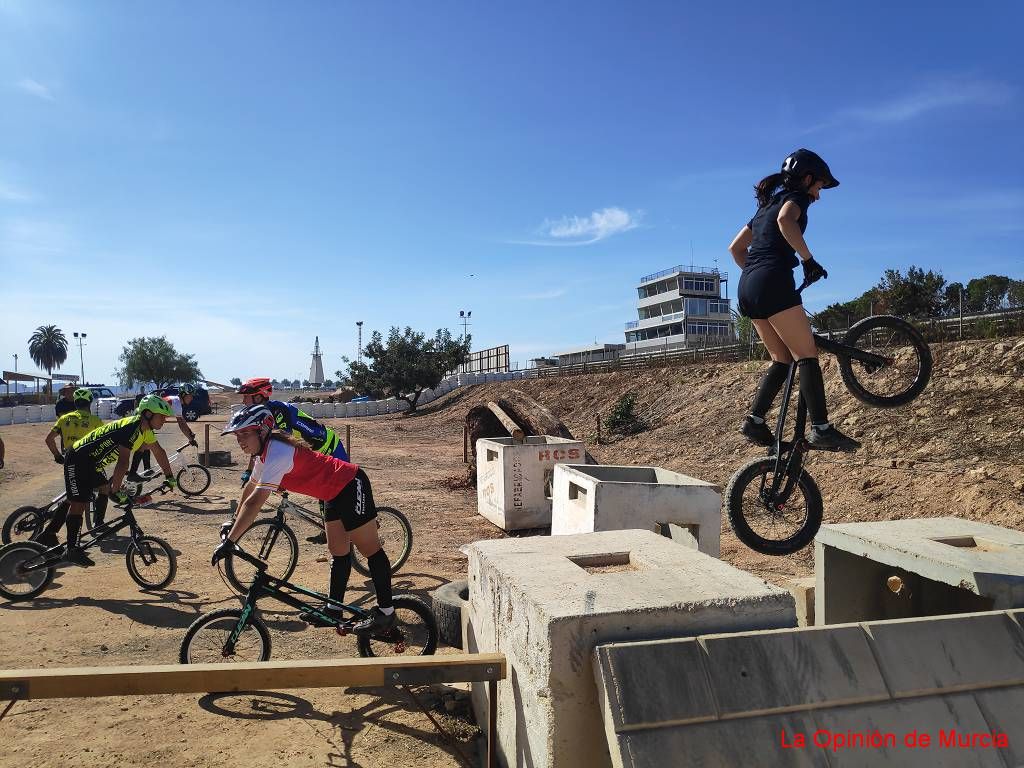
<point>766,249</point>
<point>283,463</point>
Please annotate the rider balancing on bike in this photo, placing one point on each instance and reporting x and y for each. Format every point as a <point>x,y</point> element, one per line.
<point>290,419</point>
<point>178,404</point>
<point>73,426</point>
<point>766,249</point>
<point>84,462</point>
<point>282,463</point>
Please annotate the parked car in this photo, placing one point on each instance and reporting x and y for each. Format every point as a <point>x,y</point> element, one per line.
<point>200,405</point>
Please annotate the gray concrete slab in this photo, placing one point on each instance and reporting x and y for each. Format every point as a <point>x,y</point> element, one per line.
<point>1003,710</point>
<point>948,653</point>
<point>770,671</point>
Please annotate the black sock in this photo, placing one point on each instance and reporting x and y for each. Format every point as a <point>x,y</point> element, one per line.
<point>59,518</point>
<point>341,567</point>
<point>74,526</point>
<point>146,460</point>
<point>771,383</point>
<point>136,460</point>
<point>380,572</point>
<point>99,509</point>
<point>812,387</point>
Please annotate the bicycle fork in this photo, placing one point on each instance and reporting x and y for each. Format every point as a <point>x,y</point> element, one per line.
<point>788,454</point>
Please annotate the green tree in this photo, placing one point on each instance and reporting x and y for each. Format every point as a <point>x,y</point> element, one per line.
<point>843,314</point>
<point>154,359</point>
<point>951,298</point>
<point>406,364</point>
<point>48,347</point>
<point>623,419</point>
<point>286,383</point>
<point>986,294</point>
<point>236,381</point>
<point>328,384</point>
<point>916,294</point>
<point>275,383</point>
<point>1015,293</point>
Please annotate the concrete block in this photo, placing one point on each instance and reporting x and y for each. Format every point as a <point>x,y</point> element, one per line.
<point>19,414</point>
<point>916,567</point>
<point>802,591</point>
<point>595,497</point>
<point>765,671</point>
<point>949,652</point>
<point>47,413</point>
<point>340,410</point>
<point>6,416</point>
<point>514,480</point>
<point>546,602</point>
<point>1003,710</point>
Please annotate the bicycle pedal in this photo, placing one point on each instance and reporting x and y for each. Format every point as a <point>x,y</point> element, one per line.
<point>343,629</point>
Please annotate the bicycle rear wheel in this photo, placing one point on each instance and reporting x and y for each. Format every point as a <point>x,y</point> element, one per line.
<point>17,582</point>
<point>274,545</point>
<point>766,525</point>
<point>194,479</point>
<point>414,633</point>
<point>908,366</point>
<point>22,524</point>
<point>395,534</point>
<point>151,562</point>
<point>205,641</point>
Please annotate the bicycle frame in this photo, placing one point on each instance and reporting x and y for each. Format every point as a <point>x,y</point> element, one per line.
<point>265,585</point>
<point>287,504</point>
<point>90,538</point>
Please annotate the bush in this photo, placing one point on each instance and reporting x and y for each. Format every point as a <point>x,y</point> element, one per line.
<point>623,419</point>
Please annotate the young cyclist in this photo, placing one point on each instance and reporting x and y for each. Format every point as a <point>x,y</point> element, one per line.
<point>282,463</point>
<point>73,426</point>
<point>85,460</point>
<point>766,249</point>
<point>178,404</point>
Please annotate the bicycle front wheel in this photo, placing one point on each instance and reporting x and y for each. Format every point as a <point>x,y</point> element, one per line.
<point>151,562</point>
<point>765,524</point>
<point>414,633</point>
<point>194,479</point>
<point>907,369</point>
<point>23,572</point>
<point>395,534</point>
<point>273,544</point>
<point>22,524</point>
<point>206,641</point>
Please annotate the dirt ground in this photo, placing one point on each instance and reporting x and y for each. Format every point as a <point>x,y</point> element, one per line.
<point>958,449</point>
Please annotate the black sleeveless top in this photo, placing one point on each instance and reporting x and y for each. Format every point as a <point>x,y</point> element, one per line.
<point>769,248</point>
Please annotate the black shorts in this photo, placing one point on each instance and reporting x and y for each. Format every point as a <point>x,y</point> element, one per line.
<point>353,505</point>
<point>766,292</point>
<point>81,477</point>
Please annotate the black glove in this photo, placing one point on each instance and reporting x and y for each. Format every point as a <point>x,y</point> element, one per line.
<point>223,549</point>
<point>225,528</point>
<point>58,459</point>
<point>813,271</point>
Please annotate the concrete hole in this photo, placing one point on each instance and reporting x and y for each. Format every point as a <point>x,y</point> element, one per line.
<point>973,542</point>
<point>612,562</point>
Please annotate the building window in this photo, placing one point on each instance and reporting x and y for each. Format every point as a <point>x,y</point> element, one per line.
<point>699,284</point>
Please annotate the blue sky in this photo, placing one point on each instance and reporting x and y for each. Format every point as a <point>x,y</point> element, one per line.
<point>242,177</point>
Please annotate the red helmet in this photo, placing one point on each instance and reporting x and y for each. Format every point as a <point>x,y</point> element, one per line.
<point>259,386</point>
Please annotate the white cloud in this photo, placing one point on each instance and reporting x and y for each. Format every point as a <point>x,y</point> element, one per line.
<point>35,88</point>
<point>14,195</point>
<point>576,230</point>
<point>554,293</point>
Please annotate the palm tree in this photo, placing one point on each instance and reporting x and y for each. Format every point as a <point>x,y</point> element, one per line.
<point>48,347</point>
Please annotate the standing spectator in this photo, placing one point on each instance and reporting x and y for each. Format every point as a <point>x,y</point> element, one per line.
<point>66,403</point>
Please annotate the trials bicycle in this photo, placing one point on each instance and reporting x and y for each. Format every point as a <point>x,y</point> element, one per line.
<point>240,635</point>
<point>28,567</point>
<point>27,522</point>
<point>275,544</point>
<point>774,505</point>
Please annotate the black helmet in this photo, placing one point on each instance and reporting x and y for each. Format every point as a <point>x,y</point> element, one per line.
<point>803,161</point>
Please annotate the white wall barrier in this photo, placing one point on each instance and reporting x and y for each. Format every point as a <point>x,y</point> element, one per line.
<point>47,413</point>
<point>20,415</point>
<point>6,414</point>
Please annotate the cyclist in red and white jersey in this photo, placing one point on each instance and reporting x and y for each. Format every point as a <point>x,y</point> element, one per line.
<point>285,464</point>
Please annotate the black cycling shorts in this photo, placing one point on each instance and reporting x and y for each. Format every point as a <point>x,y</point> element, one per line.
<point>353,505</point>
<point>81,477</point>
<point>766,292</point>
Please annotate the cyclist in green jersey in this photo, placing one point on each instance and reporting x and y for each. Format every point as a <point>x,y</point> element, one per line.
<point>84,462</point>
<point>72,426</point>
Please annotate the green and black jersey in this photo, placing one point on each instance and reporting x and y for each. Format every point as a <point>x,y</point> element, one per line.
<point>99,447</point>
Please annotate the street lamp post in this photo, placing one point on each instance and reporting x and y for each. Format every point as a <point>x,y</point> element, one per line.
<point>81,358</point>
<point>465,315</point>
<point>359,344</point>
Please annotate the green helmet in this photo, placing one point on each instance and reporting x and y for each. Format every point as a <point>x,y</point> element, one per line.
<point>186,389</point>
<point>82,393</point>
<point>155,404</point>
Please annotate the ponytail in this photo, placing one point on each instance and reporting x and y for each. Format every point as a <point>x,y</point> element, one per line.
<point>768,186</point>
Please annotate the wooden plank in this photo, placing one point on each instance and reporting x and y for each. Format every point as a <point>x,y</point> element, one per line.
<point>506,421</point>
<point>87,682</point>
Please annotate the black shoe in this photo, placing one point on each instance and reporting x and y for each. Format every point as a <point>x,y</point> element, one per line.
<point>831,439</point>
<point>47,539</point>
<point>315,621</point>
<point>758,434</point>
<point>378,623</point>
<point>317,538</point>
<point>77,556</point>
<point>97,520</point>
<point>133,477</point>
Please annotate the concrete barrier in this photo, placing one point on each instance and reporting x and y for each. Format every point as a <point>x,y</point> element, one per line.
<point>19,414</point>
<point>513,480</point>
<point>6,416</point>
<point>48,413</point>
<point>546,602</point>
<point>915,567</point>
<point>599,497</point>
